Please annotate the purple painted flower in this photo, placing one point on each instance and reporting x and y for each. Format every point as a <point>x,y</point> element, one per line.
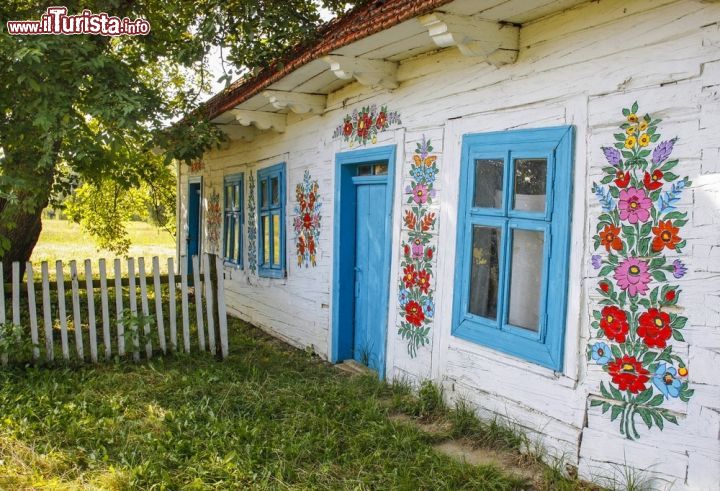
<point>420,194</point>
<point>632,275</point>
<point>663,151</point>
<point>679,269</point>
<point>596,261</point>
<point>634,205</point>
<point>417,249</point>
<point>612,155</point>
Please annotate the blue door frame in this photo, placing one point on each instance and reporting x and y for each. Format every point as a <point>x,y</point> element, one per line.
<point>193,223</point>
<point>344,251</point>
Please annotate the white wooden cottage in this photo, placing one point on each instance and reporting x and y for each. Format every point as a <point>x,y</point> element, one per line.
<point>518,199</point>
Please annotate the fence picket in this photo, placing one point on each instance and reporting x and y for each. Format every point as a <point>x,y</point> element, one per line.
<point>198,302</point>
<point>3,318</point>
<point>158,304</point>
<point>119,308</point>
<point>77,320</point>
<point>185,308</point>
<point>172,307</point>
<point>91,311</point>
<point>133,309</point>
<point>47,314</point>
<point>105,309</point>
<point>16,293</point>
<point>62,313</point>
<point>222,311</point>
<point>145,307</point>
<point>32,311</point>
<point>209,304</point>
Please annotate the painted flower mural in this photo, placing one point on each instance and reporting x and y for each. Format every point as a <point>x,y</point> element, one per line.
<point>417,283</point>
<point>252,225</point>
<point>214,222</point>
<point>362,126</point>
<point>307,220</point>
<point>635,326</point>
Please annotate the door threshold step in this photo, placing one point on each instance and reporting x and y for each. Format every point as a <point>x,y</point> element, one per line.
<point>354,368</point>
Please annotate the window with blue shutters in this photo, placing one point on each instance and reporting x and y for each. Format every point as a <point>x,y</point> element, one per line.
<point>271,221</point>
<point>233,199</point>
<point>513,242</point>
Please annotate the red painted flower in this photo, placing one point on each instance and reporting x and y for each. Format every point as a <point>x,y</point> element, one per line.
<point>654,328</point>
<point>414,313</point>
<point>628,374</point>
<point>610,238</point>
<point>604,286</point>
<point>406,250</point>
<point>614,323</point>
<point>307,221</point>
<point>410,219</point>
<point>622,179</point>
<point>311,245</point>
<point>301,245</point>
<point>429,252</point>
<point>381,120</point>
<point>364,124</point>
<point>670,295</point>
<point>428,222</point>
<point>311,201</point>
<point>347,128</point>
<point>665,236</point>
<point>653,181</point>
<point>423,281</point>
<point>410,276</point>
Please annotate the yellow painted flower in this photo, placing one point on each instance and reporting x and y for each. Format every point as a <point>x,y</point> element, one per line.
<point>630,142</point>
<point>632,118</point>
<point>644,140</point>
<point>630,131</point>
<point>682,371</point>
<point>643,125</point>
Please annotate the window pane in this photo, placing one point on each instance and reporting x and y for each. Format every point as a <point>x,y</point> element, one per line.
<point>526,279</point>
<point>229,234</point>
<point>266,239</point>
<point>238,239</point>
<point>364,170</point>
<point>484,271</point>
<point>228,197</point>
<point>263,193</point>
<point>275,183</point>
<point>236,196</point>
<point>530,181</point>
<point>381,169</point>
<point>276,240</point>
<point>488,183</point>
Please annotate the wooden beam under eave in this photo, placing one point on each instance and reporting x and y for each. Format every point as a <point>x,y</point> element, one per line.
<point>491,41</point>
<point>261,120</point>
<point>237,132</point>
<point>371,73</point>
<point>297,102</point>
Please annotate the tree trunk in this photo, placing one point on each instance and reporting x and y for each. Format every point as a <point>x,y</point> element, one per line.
<point>21,223</point>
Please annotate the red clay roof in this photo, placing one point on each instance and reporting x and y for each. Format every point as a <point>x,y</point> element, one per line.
<point>359,23</point>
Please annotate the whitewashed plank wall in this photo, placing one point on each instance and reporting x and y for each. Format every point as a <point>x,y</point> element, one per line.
<point>578,67</point>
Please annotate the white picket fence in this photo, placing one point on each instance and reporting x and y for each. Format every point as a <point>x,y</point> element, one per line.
<point>122,341</point>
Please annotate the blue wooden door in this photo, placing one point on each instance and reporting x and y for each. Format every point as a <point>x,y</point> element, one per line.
<point>370,224</point>
<point>193,235</point>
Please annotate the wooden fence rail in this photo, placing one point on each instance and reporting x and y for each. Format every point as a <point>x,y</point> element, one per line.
<point>138,323</point>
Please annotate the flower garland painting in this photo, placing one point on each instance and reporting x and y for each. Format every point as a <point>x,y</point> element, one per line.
<point>637,322</point>
<point>416,290</point>
<point>214,222</point>
<point>252,228</point>
<point>364,125</point>
<point>307,220</point>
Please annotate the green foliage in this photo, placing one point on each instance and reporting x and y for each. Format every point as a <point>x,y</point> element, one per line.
<point>15,344</point>
<point>100,106</point>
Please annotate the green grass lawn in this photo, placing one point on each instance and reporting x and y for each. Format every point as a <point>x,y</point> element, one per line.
<point>64,240</point>
<point>270,417</point>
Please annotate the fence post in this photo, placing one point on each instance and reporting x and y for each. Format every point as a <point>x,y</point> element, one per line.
<point>158,304</point>
<point>62,313</point>
<point>222,313</point>
<point>145,308</point>
<point>172,307</point>
<point>105,309</point>
<point>210,280</point>
<point>119,308</point>
<point>77,320</point>
<point>185,308</point>
<point>198,302</point>
<point>133,309</point>
<point>91,311</point>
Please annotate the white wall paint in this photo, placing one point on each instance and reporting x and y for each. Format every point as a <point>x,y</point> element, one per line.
<point>578,67</point>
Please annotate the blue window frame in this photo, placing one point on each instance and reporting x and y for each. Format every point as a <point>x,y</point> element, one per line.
<point>271,221</point>
<point>233,216</point>
<point>513,242</point>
